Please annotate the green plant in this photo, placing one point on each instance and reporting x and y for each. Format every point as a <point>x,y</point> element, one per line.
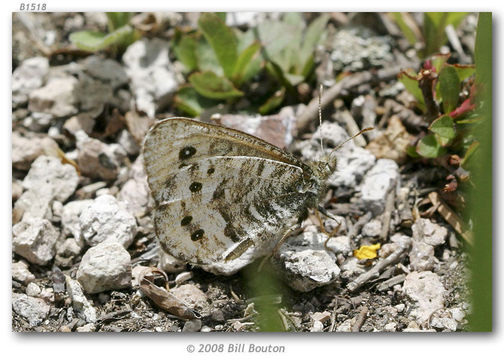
<point>289,47</point>
<point>432,34</point>
<point>220,60</point>
<point>120,35</point>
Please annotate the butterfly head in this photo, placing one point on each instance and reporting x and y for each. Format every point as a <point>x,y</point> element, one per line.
<point>324,167</point>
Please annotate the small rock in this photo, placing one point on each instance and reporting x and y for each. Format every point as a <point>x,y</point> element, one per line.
<point>80,303</point>
<point>400,307</point>
<point>82,121</point>
<point>427,292</point>
<point>217,315</point>
<point>89,191</point>
<point>106,266</point>
<point>378,181</point>
<point>32,204</point>
<point>387,249</point>
<point>170,264</point>
<point>107,220</point>
<point>372,228</point>
<point>25,149</point>
<point>97,159</point>
<point>67,250</point>
<point>339,244</point>
<point>151,74</point>
<point>351,268</point>
<point>21,273</point>
<point>428,232</point>
<point>28,76</point>
<point>192,325</point>
<point>193,297</point>
<point>106,70</point>
<point>457,314</point>
<point>321,316</point>
<point>48,175</point>
<point>33,309</point>
<point>70,217</point>
<point>346,326</point>
<point>33,289</point>
<point>57,97</point>
<point>135,192</point>
<point>390,327</point>
<point>86,328</point>
<point>35,240</point>
<point>126,140</point>
<point>303,266</point>
<point>136,272</point>
<point>205,329</point>
<point>38,122</point>
<point>275,129</point>
<point>17,190</point>
<point>444,323</point>
<point>421,256</point>
<point>317,326</point>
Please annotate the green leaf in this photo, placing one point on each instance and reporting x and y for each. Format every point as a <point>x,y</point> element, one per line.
<point>428,147</point>
<point>434,29</point>
<point>464,71</point>
<point>213,86</point>
<point>312,37</point>
<point>273,102</point>
<point>185,51</point>
<point>470,151</point>
<point>207,60</point>
<point>222,16</point>
<point>408,33</point>
<point>190,102</point>
<point>222,39</point>
<point>408,79</point>
<point>444,129</point>
<point>449,88</point>
<point>243,62</point>
<point>95,41</point>
<point>115,20</point>
<point>439,60</point>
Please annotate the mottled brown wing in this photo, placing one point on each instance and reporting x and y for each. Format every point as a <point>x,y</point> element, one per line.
<point>176,142</point>
<point>216,193</point>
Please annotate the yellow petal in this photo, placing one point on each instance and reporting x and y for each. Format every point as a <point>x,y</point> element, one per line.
<point>366,252</point>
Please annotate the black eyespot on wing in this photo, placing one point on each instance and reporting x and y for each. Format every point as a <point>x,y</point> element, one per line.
<point>210,171</point>
<point>195,186</point>
<point>186,220</point>
<point>198,234</point>
<point>186,152</point>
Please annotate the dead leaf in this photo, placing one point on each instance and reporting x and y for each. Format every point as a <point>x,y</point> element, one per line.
<point>162,296</point>
<point>392,144</point>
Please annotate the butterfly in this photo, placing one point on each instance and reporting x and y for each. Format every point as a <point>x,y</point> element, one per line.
<point>221,194</point>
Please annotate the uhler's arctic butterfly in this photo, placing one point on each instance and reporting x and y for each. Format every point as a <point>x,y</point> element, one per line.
<point>222,194</point>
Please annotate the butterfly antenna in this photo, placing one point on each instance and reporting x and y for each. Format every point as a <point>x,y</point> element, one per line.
<point>320,116</point>
<point>353,137</point>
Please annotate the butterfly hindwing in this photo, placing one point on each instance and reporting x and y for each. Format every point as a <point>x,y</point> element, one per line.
<point>244,200</point>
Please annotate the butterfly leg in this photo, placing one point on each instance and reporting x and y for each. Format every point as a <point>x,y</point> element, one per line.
<point>329,234</point>
<point>287,234</point>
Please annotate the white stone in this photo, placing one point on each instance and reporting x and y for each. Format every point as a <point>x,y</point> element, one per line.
<point>25,149</point>
<point>429,232</point>
<point>426,291</point>
<point>70,217</point>
<point>21,273</point>
<point>106,266</point>
<point>35,310</point>
<point>57,97</point>
<point>32,289</point>
<point>35,240</point>
<point>339,244</point>
<point>48,175</point>
<point>170,264</point>
<point>378,181</point>
<point>107,220</point>
<point>28,76</point>
<point>372,228</point>
<point>151,74</point>
<point>80,303</point>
